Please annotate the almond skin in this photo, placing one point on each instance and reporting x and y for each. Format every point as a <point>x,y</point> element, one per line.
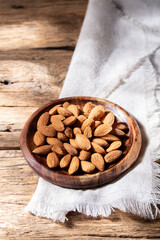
<point>54,142</point>
<point>118,132</point>
<point>55,117</point>
<point>64,111</point>
<point>62,137</point>
<point>110,138</point>
<point>102,130</point>
<point>114,145</point>
<point>87,123</point>
<point>66,104</point>
<point>74,165</point>
<point>48,131</point>
<point>83,142</point>
<point>59,150</point>
<point>70,149</point>
<point>97,112</point>
<point>45,149</point>
<point>76,130</point>
<point>121,126</point>
<point>88,108</point>
<point>98,161</point>
<point>73,143</point>
<point>81,119</point>
<point>65,161</point>
<point>87,167</point>
<point>101,142</point>
<point>96,124</point>
<point>53,110</point>
<point>109,119</point>
<point>68,132</point>
<point>58,125</point>
<point>43,120</point>
<point>112,156</point>
<point>52,160</point>
<point>88,132</point>
<point>69,121</point>
<point>84,155</point>
<point>39,139</point>
<point>74,109</point>
<point>98,149</point>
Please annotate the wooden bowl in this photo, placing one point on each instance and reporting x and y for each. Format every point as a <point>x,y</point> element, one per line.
<point>61,177</point>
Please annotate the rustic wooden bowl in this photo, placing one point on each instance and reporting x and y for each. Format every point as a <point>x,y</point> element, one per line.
<point>61,177</point>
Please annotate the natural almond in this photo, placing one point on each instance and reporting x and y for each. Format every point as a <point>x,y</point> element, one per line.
<point>48,131</point>
<point>83,142</point>
<point>98,149</point>
<point>112,156</point>
<point>53,110</point>
<point>64,111</point>
<point>69,121</point>
<point>62,137</point>
<point>43,120</point>
<point>77,130</point>
<point>118,132</point>
<point>66,104</point>
<point>102,130</point>
<point>87,108</point>
<point>81,119</point>
<point>87,167</point>
<point>52,160</point>
<point>58,125</point>
<point>74,109</point>
<point>101,142</point>
<point>73,143</point>
<point>54,118</point>
<point>54,142</point>
<point>114,145</point>
<point>88,132</point>
<point>65,161</point>
<point>84,155</point>
<point>121,126</point>
<point>45,149</point>
<point>96,124</point>
<point>87,123</point>
<point>59,150</point>
<point>70,149</point>
<point>68,132</point>
<point>98,161</point>
<point>39,139</point>
<point>97,112</point>
<point>74,165</point>
<point>109,119</point>
<point>110,138</point>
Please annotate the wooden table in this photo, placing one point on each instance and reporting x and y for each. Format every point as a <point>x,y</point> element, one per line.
<point>37,40</point>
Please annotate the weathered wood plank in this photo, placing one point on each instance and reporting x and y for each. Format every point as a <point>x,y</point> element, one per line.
<point>40,23</point>
<point>17,184</point>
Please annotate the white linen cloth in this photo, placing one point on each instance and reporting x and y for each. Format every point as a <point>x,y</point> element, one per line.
<point>117,57</point>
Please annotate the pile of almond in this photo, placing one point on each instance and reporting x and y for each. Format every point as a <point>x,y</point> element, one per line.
<point>79,139</point>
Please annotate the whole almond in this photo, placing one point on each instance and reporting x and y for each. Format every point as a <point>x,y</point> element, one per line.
<point>45,149</point>
<point>88,132</point>
<point>53,110</point>
<point>65,161</point>
<point>118,132</point>
<point>81,119</point>
<point>121,126</point>
<point>102,130</point>
<point>66,104</point>
<point>74,109</point>
<point>98,149</point>
<point>52,160</point>
<point>43,120</point>
<point>109,119</point>
<point>87,167</point>
<point>110,138</point>
<point>84,155</point>
<point>68,132</point>
<point>101,142</point>
<point>70,149</point>
<point>96,124</point>
<point>114,145</point>
<point>59,150</point>
<point>69,121</point>
<point>97,112</point>
<point>76,130</point>
<point>87,123</point>
<point>39,139</point>
<point>58,125</point>
<point>48,131</point>
<point>112,156</point>
<point>54,142</point>
<point>73,143</point>
<point>62,137</point>
<point>98,161</point>
<point>74,165</point>
<point>64,111</point>
<point>87,108</point>
<point>54,118</point>
<point>83,142</point>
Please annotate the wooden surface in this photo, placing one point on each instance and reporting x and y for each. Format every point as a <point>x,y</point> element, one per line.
<point>37,39</point>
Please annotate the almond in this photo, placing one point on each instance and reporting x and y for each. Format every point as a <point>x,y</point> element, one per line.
<point>112,156</point>
<point>76,130</point>
<point>98,149</point>
<point>118,132</point>
<point>73,143</point>
<point>74,109</point>
<point>81,119</point>
<point>121,126</point>
<point>68,132</point>
<point>39,139</point>
<point>54,142</point>
<point>84,155</point>
<point>65,161</point>
<point>110,138</point>
<point>43,120</point>
<point>88,132</point>
<point>74,165</point>
<point>114,145</point>
<point>87,167</point>
<point>97,112</point>
<point>55,117</point>
<point>83,142</point>
<point>96,124</point>
<point>66,104</point>
<point>48,131</point>
<point>59,150</point>
<point>109,119</point>
<point>70,149</point>
<point>101,142</point>
<point>64,111</point>
<point>62,137</point>
<point>87,108</point>
<point>45,149</point>
<point>69,121</point>
<point>98,161</point>
<point>102,130</point>
<point>58,125</point>
<point>52,160</point>
<point>87,123</point>
<point>53,110</point>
